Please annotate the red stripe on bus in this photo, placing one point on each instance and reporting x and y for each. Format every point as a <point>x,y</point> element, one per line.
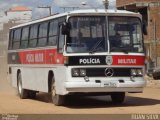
<point>128,60</point>
<point>52,57</point>
<point>41,57</point>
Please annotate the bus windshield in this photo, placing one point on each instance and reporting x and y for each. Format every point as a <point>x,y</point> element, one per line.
<point>87,34</point>
<point>125,34</point>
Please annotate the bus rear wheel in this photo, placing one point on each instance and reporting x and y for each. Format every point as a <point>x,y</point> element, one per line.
<point>118,97</point>
<point>21,92</point>
<point>56,99</point>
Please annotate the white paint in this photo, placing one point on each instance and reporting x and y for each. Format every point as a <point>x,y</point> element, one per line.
<point>30,58</point>
<point>39,57</point>
<point>85,12</point>
<point>36,78</point>
<point>127,61</point>
<point>89,61</point>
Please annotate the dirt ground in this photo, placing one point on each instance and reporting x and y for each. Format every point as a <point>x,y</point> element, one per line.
<point>146,102</point>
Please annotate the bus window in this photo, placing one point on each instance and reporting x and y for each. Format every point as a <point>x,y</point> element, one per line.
<point>125,34</point>
<point>10,39</point>
<point>87,34</point>
<point>61,37</point>
<point>53,33</point>
<point>33,36</point>
<point>61,41</point>
<point>42,38</point>
<point>24,39</point>
<point>16,39</point>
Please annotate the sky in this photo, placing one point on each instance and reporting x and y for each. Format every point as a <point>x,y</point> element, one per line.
<point>57,5</point>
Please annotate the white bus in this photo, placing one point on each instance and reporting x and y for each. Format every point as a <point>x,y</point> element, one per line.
<point>82,51</point>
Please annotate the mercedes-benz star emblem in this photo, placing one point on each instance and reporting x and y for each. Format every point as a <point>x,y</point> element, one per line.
<point>109,72</point>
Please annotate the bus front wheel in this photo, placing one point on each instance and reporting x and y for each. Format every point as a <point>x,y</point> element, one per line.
<point>118,97</point>
<point>21,92</point>
<point>56,99</point>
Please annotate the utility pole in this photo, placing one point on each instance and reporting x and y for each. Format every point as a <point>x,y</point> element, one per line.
<point>106,3</point>
<point>155,43</point>
<point>47,7</point>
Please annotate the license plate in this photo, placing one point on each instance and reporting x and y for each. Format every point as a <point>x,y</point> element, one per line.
<point>109,84</point>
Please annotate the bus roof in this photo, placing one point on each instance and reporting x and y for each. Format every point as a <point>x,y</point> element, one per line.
<point>101,11</point>
<point>83,12</point>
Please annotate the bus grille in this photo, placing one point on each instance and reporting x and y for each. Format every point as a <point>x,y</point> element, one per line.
<point>100,72</point>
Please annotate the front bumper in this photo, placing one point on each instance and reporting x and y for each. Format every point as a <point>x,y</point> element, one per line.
<point>105,86</point>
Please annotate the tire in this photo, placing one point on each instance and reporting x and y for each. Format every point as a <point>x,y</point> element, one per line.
<point>57,100</point>
<point>154,77</point>
<point>21,92</point>
<point>118,97</point>
<point>32,94</point>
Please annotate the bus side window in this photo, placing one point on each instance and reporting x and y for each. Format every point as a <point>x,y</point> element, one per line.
<point>61,38</point>
<point>60,41</point>
<point>10,39</point>
<point>53,33</point>
<point>16,38</point>
<point>33,35</point>
<point>24,39</point>
<point>42,37</point>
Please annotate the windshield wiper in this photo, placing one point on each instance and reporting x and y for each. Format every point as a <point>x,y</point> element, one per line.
<point>94,49</point>
<point>125,51</point>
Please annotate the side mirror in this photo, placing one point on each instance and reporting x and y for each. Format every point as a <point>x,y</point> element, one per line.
<point>65,28</point>
<point>144,29</point>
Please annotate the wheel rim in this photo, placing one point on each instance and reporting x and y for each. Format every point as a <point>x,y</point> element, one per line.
<point>19,84</point>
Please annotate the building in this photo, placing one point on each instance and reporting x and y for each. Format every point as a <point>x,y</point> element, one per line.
<point>13,16</point>
<point>150,10</point>
<point>18,14</point>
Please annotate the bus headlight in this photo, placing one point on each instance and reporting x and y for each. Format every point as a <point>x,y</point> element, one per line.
<point>133,72</point>
<point>139,72</point>
<point>136,72</point>
<point>82,72</point>
<point>78,72</point>
<point>75,72</point>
